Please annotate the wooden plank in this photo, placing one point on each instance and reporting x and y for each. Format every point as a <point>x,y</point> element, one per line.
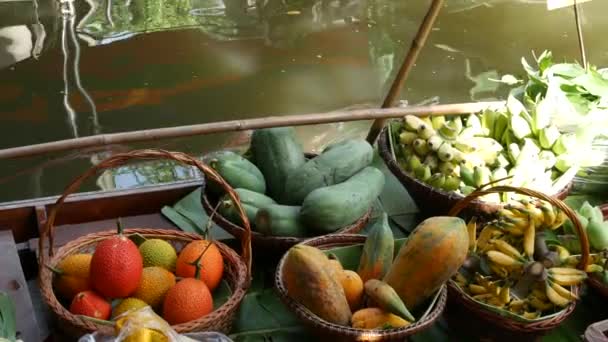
<point>12,281</point>
<point>20,216</point>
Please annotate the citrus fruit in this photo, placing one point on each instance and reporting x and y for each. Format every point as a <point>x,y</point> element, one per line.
<point>157,252</point>
<point>116,267</point>
<point>155,282</point>
<point>72,275</point>
<point>89,303</point>
<point>188,300</point>
<point>211,262</point>
<point>128,304</point>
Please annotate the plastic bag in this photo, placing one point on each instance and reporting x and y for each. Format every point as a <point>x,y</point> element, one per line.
<point>144,325</point>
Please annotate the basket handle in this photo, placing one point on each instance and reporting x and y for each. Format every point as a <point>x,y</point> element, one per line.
<point>580,231</point>
<point>146,154</point>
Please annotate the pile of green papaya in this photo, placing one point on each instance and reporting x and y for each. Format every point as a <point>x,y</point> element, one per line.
<point>286,194</point>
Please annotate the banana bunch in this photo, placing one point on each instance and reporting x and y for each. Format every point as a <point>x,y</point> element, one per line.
<point>505,250</point>
<point>461,153</point>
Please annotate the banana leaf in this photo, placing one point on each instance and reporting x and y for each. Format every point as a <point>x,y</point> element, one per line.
<point>7,317</point>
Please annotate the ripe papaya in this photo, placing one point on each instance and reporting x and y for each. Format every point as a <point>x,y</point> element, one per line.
<point>308,279</point>
<point>434,252</point>
<point>378,251</point>
<point>376,318</point>
<point>384,296</point>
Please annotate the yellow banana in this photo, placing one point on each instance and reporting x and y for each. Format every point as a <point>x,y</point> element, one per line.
<point>510,228</point>
<point>549,213</point>
<point>460,279</point>
<point>483,297</point>
<point>499,271</point>
<point>497,302</point>
<point>565,271</point>
<point>477,289</point>
<point>472,229</point>
<point>539,304</point>
<point>593,268</point>
<point>529,235</point>
<point>535,214</point>
<point>555,297</point>
<point>486,234</point>
<point>562,279</point>
<point>505,295</point>
<point>505,247</point>
<point>573,260</point>
<point>503,259</point>
<point>560,218</point>
<point>538,293</point>
<point>562,291</point>
<point>562,252</point>
<point>531,315</point>
<point>520,223</point>
<point>517,304</point>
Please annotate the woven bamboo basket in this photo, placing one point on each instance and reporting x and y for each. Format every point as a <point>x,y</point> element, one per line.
<point>497,326</point>
<point>237,269</point>
<point>595,283</point>
<point>273,245</point>
<point>334,332</point>
<point>434,202</point>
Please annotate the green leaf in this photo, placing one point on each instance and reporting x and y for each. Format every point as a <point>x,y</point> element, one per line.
<point>221,294</point>
<point>8,323</point>
<point>569,70</point>
<point>593,82</point>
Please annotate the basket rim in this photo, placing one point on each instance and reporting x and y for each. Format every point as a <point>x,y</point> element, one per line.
<point>391,163</point>
<point>238,289</point>
<point>507,322</point>
<point>310,318</point>
<point>237,230</point>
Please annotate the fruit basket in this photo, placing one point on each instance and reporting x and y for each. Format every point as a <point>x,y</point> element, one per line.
<point>442,201</point>
<point>236,269</point>
<point>597,284</point>
<point>529,299</point>
<point>285,184</point>
<point>375,291</point>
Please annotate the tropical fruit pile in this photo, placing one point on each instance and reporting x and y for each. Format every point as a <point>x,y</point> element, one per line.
<point>120,276</point>
<point>284,194</point>
<point>383,291</point>
<point>523,263</point>
<point>459,154</point>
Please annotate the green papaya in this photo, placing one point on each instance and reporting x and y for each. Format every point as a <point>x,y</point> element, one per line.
<point>378,251</point>
<point>385,297</point>
<point>280,220</point>
<point>276,153</point>
<point>334,165</point>
<point>236,171</point>
<point>330,208</point>
<point>250,201</point>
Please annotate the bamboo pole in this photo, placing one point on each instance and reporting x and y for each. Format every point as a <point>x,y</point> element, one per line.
<point>241,125</point>
<point>579,33</point>
<point>410,59</point>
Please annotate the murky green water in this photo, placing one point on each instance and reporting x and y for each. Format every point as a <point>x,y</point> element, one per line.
<point>121,65</point>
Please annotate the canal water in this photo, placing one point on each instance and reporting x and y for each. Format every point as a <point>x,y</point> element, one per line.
<point>102,66</point>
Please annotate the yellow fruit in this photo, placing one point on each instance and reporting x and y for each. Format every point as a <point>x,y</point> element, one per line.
<point>155,282</point>
<point>376,318</point>
<point>128,304</point>
<point>72,275</point>
<point>353,288</point>
<point>147,335</point>
<point>157,252</point>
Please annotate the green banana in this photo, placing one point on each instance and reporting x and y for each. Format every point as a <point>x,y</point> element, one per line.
<point>466,189</point>
<point>432,161</point>
<point>473,121</point>
<point>499,173</point>
<point>548,136</point>
<point>520,127</point>
<point>467,176</point>
<point>469,132</point>
<point>464,145</point>
<point>481,175</point>
<point>423,172</point>
<point>437,180</point>
<point>448,132</point>
<point>445,152</point>
<point>487,121</point>
<point>448,168</point>
<point>501,160</point>
<point>413,123</point>
<point>407,138</point>
<point>547,158</point>
<point>426,131</point>
<point>413,163</point>
<point>437,121</point>
<point>452,183</point>
<point>435,142</point>
<point>501,123</point>
<point>564,144</point>
<point>513,150</point>
<point>421,147</point>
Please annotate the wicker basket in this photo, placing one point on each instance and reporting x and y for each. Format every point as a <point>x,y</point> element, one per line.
<point>431,201</point>
<point>272,245</point>
<point>596,284</point>
<point>237,272</point>
<point>494,324</point>
<point>333,332</point>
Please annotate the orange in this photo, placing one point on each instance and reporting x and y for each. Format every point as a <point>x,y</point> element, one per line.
<point>212,262</point>
<point>72,275</point>
<point>155,282</point>
<point>188,300</point>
